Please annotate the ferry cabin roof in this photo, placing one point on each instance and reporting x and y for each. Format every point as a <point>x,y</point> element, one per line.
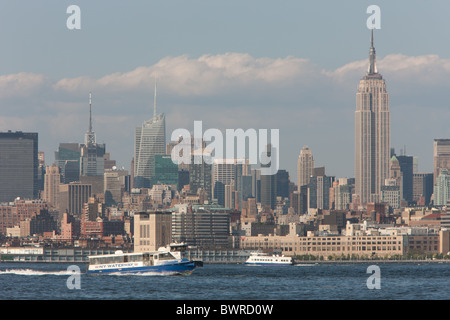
<point>130,257</point>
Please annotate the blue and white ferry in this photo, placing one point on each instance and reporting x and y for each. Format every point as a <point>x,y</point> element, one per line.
<point>264,259</point>
<point>166,261</point>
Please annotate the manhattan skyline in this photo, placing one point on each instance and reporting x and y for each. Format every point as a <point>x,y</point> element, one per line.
<point>282,75</point>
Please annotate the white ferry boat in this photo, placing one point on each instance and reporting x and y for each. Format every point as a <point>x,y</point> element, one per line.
<point>167,260</point>
<point>259,258</point>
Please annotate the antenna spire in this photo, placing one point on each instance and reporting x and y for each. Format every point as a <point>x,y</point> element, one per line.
<point>154,101</point>
<point>90,111</point>
<point>371,39</point>
<point>372,56</point>
<point>90,136</point>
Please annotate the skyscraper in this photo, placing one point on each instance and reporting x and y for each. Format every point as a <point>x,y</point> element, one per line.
<point>230,172</point>
<point>305,166</point>
<point>67,158</point>
<point>407,167</point>
<point>441,156</point>
<point>282,181</point>
<point>372,134</point>
<point>442,188</point>
<point>92,161</point>
<point>422,188</point>
<point>18,165</point>
<point>319,191</point>
<point>73,196</point>
<point>268,184</point>
<point>51,185</point>
<point>165,170</point>
<point>149,140</point>
<point>200,172</point>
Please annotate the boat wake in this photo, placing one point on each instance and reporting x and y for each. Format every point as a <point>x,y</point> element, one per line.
<point>31,272</point>
<point>142,274</point>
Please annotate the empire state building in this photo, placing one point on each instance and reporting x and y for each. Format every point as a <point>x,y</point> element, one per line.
<point>372,134</point>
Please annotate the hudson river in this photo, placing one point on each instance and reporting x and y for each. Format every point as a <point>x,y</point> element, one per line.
<point>408,281</point>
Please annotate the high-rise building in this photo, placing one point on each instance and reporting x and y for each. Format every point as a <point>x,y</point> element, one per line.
<point>149,140</point>
<point>230,172</point>
<point>442,188</point>
<point>342,194</point>
<point>219,192</point>
<point>299,200</point>
<point>395,174</point>
<point>372,134</point>
<point>441,156</point>
<point>207,227</point>
<point>183,178</point>
<point>407,168</point>
<point>268,184</point>
<point>41,170</point>
<point>391,193</point>
<point>246,187</point>
<point>256,184</point>
<point>200,172</point>
<point>73,196</point>
<point>67,158</point>
<point>92,154</point>
<point>113,184</point>
<point>165,170</point>
<point>305,166</point>
<point>422,188</point>
<point>152,230</point>
<point>224,171</point>
<point>52,181</point>
<point>282,180</point>
<point>18,165</point>
<point>319,191</point>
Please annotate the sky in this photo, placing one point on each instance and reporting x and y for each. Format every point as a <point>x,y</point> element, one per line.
<point>288,65</point>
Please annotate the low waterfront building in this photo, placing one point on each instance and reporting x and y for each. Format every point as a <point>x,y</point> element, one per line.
<point>360,246</point>
<point>363,246</point>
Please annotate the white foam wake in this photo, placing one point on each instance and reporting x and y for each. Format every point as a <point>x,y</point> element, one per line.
<point>146,274</point>
<point>31,272</point>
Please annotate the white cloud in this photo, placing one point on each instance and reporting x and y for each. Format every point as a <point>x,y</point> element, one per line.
<point>231,90</point>
<point>203,76</point>
<point>21,84</point>
<point>232,73</point>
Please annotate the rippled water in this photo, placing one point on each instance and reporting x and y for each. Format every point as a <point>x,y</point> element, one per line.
<point>34,281</point>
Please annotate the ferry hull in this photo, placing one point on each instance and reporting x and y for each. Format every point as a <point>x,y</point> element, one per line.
<point>170,269</point>
<point>268,264</point>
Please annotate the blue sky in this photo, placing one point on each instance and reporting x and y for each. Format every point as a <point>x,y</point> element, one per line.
<point>292,65</point>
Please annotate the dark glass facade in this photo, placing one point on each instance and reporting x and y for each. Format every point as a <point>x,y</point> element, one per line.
<point>18,165</point>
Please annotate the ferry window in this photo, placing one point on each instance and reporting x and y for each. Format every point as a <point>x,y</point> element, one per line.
<point>165,256</point>
<point>136,257</point>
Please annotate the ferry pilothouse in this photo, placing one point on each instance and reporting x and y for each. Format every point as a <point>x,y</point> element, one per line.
<point>167,260</point>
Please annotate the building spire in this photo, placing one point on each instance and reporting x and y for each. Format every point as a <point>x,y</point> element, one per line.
<point>90,136</point>
<point>372,57</point>
<point>154,101</point>
<point>90,112</point>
